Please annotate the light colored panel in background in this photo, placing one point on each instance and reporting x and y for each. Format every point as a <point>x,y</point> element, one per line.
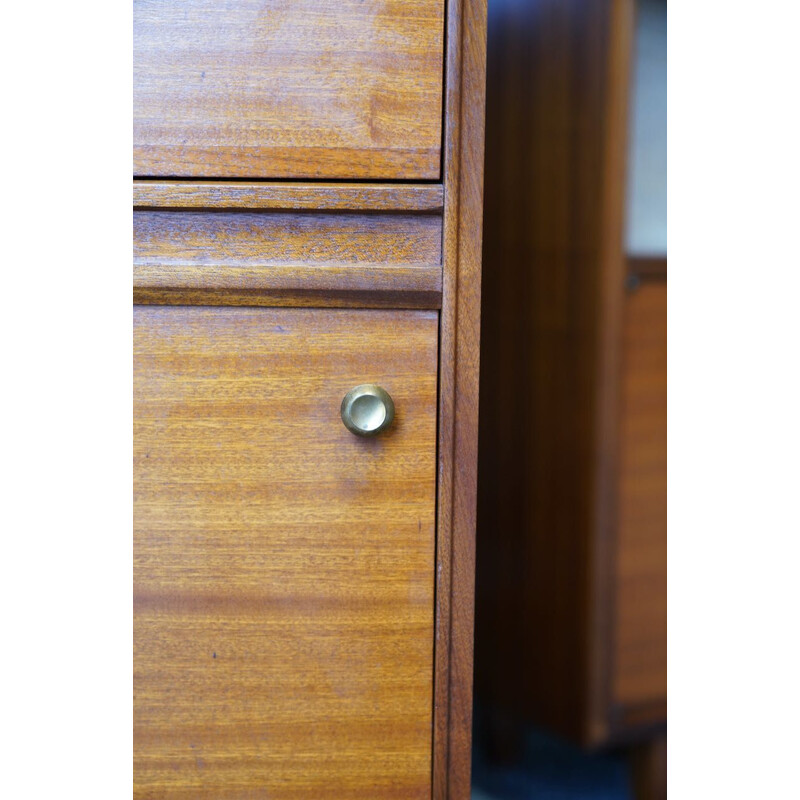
<point>647,154</point>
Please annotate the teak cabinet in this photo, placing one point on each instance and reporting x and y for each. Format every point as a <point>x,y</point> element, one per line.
<point>572,527</point>
<point>307,219</point>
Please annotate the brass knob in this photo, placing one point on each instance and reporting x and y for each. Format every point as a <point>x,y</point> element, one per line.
<point>367,410</point>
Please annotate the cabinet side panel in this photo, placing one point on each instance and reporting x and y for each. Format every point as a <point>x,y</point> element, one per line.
<point>458,400</point>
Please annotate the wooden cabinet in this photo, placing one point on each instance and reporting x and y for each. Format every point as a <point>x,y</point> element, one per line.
<point>572,527</point>
<point>302,594</point>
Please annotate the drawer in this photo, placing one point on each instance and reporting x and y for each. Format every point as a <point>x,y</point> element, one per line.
<point>287,257</point>
<point>288,88</point>
<point>283,567</point>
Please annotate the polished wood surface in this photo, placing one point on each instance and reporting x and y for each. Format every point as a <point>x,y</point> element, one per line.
<point>304,288</point>
<point>640,642</point>
<point>295,196</point>
<point>288,88</point>
<point>458,398</point>
<point>288,258</point>
<point>283,568</point>
<point>603,721</point>
<point>381,289</point>
<point>550,627</point>
<point>543,246</point>
<point>329,703</point>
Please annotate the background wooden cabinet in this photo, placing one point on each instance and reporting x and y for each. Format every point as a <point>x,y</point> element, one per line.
<point>571,586</point>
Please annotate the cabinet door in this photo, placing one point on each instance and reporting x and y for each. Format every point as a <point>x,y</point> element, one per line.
<point>283,567</point>
<point>288,88</point>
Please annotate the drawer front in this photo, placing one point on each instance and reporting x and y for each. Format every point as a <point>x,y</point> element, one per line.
<point>287,257</point>
<point>283,567</point>
<point>288,88</point>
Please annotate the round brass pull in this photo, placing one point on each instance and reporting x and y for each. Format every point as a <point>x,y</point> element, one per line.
<point>367,410</point>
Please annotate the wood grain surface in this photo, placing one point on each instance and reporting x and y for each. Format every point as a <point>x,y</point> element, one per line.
<point>603,721</point>
<point>640,644</point>
<point>553,291</point>
<point>384,290</point>
<point>288,88</point>
<point>459,360</point>
<point>283,568</point>
<point>541,280</point>
<point>295,196</point>
<point>300,257</point>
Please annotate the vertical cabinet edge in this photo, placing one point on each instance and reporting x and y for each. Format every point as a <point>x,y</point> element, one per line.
<point>465,98</point>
